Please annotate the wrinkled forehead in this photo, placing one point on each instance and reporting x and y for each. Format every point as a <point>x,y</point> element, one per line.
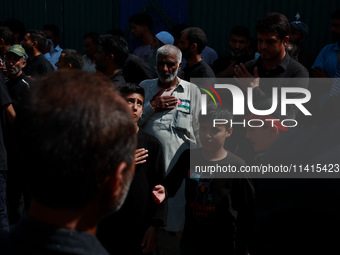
<point>167,57</point>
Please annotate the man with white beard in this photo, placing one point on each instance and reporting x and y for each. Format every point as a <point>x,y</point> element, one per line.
<point>171,110</point>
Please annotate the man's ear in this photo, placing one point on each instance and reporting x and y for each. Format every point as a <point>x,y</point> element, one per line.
<point>24,62</point>
<point>110,57</point>
<point>285,40</point>
<point>229,131</point>
<point>193,47</point>
<point>180,66</point>
<point>69,66</point>
<point>114,180</point>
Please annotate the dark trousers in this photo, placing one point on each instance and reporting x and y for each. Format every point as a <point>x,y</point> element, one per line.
<point>4,226</point>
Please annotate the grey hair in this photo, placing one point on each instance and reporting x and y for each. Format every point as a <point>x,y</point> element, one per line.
<point>169,49</point>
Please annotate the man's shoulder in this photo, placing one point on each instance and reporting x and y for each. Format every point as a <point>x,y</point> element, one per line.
<point>147,83</point>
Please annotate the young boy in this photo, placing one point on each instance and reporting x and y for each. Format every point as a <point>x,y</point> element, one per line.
<point>218,210</point>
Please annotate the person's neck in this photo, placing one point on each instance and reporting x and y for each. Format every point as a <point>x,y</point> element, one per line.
<point>12,77</point>
<point>82,219</point>
<point>34,53</point>
<point>147,39</point>
<point>111,71</point>
<point>272,63</point>
<point>193,59</point>
<point>137,128</point>
<point>214,155</point>
<point>168,85</point>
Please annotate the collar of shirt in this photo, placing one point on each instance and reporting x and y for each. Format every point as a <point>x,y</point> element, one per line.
<point>181,86</point>
<point>280,68</point>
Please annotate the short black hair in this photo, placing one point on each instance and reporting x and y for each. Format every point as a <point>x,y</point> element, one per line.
<point>216,112</point>
<point>91,35</point>
<point>7,35</point>
<point>52,28</point>
<point>39,37</point>
<point>115,45</point>
<point>74,58</point>
<point>17,27</point>
<point>130,88</point>
<point>196,35</point>
<point>274,23</point>
<point>240,31</point>
<point>142,19</point>
<point>74,130</point>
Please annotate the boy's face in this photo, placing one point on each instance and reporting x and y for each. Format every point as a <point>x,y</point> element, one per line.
<point>136,102</point>
<point>213,138</point>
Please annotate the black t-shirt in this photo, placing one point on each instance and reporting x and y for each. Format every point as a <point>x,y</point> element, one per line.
<point>215,207</point>
<point>198,70</point>
<point>288,68</point>
<point>135,70</point>
<point>127,226</point>
<point>118,79</point>
<point>223,62</point>
<point>30,237</point>
<point>39,65</point>
<point>18,87</point>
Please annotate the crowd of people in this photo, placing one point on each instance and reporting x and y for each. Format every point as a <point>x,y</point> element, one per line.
<point>97,151</point>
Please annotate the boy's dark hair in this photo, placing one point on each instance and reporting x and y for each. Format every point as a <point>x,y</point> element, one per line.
<point>39,37</point>
<point>52,28</point>
<point>74,58</point>
<point>7,35</point>
<point>91,35</point>
<point>142,19</point>
<point>274,23</point>
<point>74,130</point>
<point>130,88</point>
<point>240,31</point>
<point>115,45</point>
<point>196,35</point>
<point>216,112</point>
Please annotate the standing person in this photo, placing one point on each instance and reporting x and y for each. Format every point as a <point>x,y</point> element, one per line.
<point>90,49</point>
<point>34,43</point>
<point>112,52</point>
<point>78,141</point>
<point>298,36</point>
<point>18,83</point>
<point>5,111</point>
<point>239,42</point>
<point>141,28</point>
<point>150,171</point>
<point>218,207</point>
<point>273,36</point>
<point>170,113</point>
<point>326,62</point>
<point>193,41</point>
<point>54,50</point>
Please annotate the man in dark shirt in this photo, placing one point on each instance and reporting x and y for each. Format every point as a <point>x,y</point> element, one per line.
<point>111,54</point>
<point>34,43</point>
<point>5,111</point>
<point>135,70</point>
<point>273,35</point>
<point>239,42</point>
<point>18,83</point>
<point>192,42</point>
<point>77,142</point>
